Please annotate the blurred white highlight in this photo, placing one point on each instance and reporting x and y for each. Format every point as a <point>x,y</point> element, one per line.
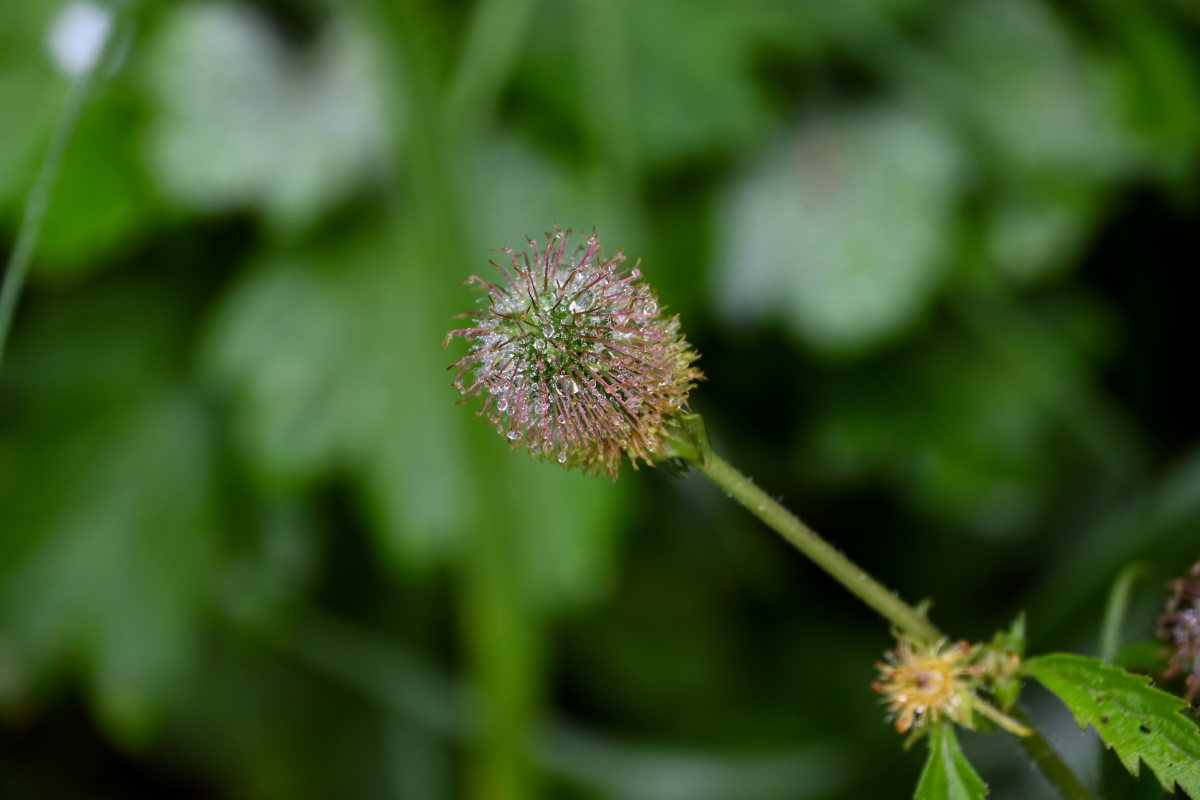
<point>77,37</point>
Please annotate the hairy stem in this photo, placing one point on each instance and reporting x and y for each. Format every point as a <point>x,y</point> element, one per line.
<point>1048,762</point>
<point>828,558</point>
<point>692,446</point>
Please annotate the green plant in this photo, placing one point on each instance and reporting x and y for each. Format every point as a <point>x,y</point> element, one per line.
<point>573,359</point>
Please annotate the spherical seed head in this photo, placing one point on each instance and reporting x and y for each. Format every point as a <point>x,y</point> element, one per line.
<point>573,357</point>
<point>925,683</point>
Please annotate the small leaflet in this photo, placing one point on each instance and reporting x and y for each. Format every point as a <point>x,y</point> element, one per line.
<point>947,774</point>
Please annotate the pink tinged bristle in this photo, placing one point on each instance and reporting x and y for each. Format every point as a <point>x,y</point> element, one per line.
<point>583,385</point>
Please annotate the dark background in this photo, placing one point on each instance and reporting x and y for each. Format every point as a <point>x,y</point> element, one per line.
<point>939,260</point>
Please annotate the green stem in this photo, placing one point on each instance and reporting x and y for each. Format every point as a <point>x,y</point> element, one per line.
<point>441,123</point>
<point>1053,768</point>
<point>38,203</point>
<point>690,443</point>
<point>806,540</point>
<point>1114,612</point>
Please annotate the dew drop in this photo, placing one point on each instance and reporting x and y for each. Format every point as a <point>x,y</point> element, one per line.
<point>502,404</point>
<point>513,434</point>
<point>562,456</point>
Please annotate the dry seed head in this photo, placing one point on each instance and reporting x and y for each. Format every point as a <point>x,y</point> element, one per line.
<point>573,357</point>
<point>1180,626</point>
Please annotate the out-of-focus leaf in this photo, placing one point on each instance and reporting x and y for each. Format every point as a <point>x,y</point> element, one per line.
<point>1161,78</point>
<point>106,504</point>
<point>1055,124</point>
<point>1034,231</point>
<point>102,199</point>
<point>332,364</point>
<point>244,121</point>
<point>331,360</point>
<point>568,535</point>
<point>516,192</point>
<point>691,56</point>
<point>259,727</point>
<point>1141,723</point>
<point>652,72</point>
<point>1048,103</point>
<point>641,772</point>
<point>688,56</point>
<point>842,234</point>
<point>947,774</point>
<point>975,435</point>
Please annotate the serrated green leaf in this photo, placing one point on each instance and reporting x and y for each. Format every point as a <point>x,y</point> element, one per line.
<point>1141,723</point>
<point>947,774</point>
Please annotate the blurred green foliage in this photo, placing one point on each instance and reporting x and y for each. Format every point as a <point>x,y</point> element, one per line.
<point>937,258</point>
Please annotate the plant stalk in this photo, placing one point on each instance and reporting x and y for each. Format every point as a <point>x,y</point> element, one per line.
<point>1048,762</point>
<point>870,591</point>
<point>827,557</point>
<point>38,203</point>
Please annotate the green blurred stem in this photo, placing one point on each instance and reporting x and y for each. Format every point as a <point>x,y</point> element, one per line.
<point>39,202</point>
<point>1114,612</point>
<point>495,33</point>
<point>1048,762</point>
<point>828,558</point>
<point>439,120</point>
